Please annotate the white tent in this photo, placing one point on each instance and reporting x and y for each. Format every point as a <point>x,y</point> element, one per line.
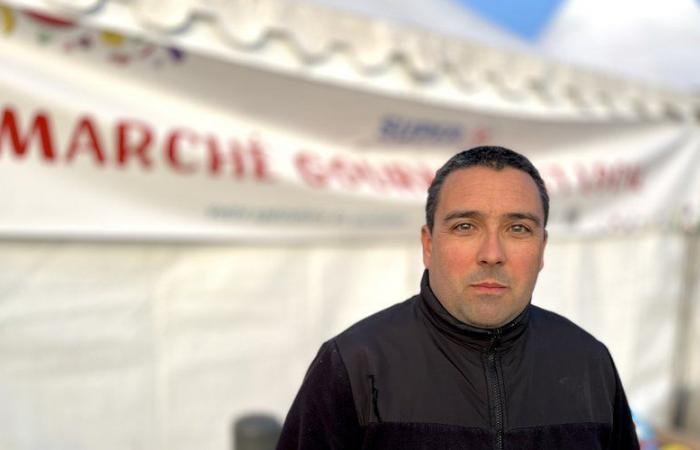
<point>197,194</point>
<point>635,39</point>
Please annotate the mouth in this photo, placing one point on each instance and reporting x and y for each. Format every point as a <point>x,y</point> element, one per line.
<point>489,287</point>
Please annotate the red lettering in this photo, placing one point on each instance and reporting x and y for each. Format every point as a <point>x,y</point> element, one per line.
<point>634,177</point>
<point>481,136</point>
<point>562,182</point>
<point>346,173</point>
<point>309,168</point>
<point>597,177</point>
<point>615,177</point>
<point>620,176</point>
<point>238,160</point>
<point>260,163</point>
<point>368,173</point>
<point>173,155</point>
<point>215,156</point>
<point>398,176</point>
<point>85,138</point>
<point>20,143</point>
<point>426,175</point>
<point>252,160</point>
<point>601,176</point>
<point>584,182</point>
<point>217,159</point>
<point>127,132</point>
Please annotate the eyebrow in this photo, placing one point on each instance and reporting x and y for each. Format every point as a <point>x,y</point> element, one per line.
<point>525,216</point>
<point>470,214</point>
<point>461,214</point>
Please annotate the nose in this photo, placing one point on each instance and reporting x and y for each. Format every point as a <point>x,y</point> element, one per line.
<point>491,250</point>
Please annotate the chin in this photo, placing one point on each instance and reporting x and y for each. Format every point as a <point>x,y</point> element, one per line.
<point>494,324</point>
<point>488,318</point>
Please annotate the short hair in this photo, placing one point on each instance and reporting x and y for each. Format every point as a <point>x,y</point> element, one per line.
<point>492,157</point>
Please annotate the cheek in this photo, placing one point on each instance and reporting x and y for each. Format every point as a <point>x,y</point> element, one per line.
<point>456,256</point>
<point>526,262</point>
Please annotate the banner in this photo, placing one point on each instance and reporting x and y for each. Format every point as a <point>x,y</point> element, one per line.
<point>99,141</point>
<point>89,176</point>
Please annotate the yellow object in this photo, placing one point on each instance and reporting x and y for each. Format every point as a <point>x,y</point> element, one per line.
<point>8,19</point>
<point>112,39</point>
<point>675,447</point>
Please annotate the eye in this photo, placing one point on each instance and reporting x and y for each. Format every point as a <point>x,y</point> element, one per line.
<point>519,228</point>
<point>463,227</point>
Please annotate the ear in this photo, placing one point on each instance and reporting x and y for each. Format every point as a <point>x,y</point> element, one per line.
<point>544,245</point>
<point>427,242</point>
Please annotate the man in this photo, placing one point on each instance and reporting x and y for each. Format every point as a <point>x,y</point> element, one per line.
<point>468,363</point>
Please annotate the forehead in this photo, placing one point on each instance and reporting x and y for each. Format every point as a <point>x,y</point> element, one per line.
<point>489,190</point>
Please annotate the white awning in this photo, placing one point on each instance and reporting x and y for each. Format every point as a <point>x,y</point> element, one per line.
<point>352,50</point>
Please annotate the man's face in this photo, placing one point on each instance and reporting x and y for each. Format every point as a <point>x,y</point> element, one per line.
<point>487,244</point>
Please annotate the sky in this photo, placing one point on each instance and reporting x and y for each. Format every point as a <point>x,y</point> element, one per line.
<point>648,40</point>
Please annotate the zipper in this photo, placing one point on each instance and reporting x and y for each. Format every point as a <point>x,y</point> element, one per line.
<point>493,379</point>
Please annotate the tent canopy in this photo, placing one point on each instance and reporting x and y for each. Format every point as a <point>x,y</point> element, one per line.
<point>325,44</point>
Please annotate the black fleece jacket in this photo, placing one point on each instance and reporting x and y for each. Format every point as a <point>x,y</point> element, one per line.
<point>414,377</point>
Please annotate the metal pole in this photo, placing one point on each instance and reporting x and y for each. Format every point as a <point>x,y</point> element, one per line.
<point>686,316</point>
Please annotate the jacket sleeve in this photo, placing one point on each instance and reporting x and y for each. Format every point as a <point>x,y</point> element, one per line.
<point>323,413</point>
<point>624,432</point>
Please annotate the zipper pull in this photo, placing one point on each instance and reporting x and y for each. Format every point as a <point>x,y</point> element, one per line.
<point>495,340</point>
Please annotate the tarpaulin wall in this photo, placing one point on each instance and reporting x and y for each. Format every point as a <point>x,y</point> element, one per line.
<point>179,234</point>
<point>163,346</point>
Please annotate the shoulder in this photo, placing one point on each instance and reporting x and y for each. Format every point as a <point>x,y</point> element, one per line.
<point>382,338</point>
<point>556,325</point>
<point>388,324</point>
<point>373,346</point>
<point>557,331</point>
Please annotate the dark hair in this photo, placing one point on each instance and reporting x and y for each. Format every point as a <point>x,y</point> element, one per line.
<point>486,156</point>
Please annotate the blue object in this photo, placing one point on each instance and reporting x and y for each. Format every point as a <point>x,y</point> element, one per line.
<point>525,18</point>
<point>645,433</point>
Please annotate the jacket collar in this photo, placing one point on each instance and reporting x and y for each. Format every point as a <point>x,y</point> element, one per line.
<point>481,338</point>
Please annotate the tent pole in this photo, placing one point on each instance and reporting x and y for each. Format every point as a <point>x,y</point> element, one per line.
<point>686,315</point>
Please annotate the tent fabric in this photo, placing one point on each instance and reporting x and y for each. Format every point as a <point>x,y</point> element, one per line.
<point>351,48</point>
<point>144,341</point>
<point>159,346</point>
